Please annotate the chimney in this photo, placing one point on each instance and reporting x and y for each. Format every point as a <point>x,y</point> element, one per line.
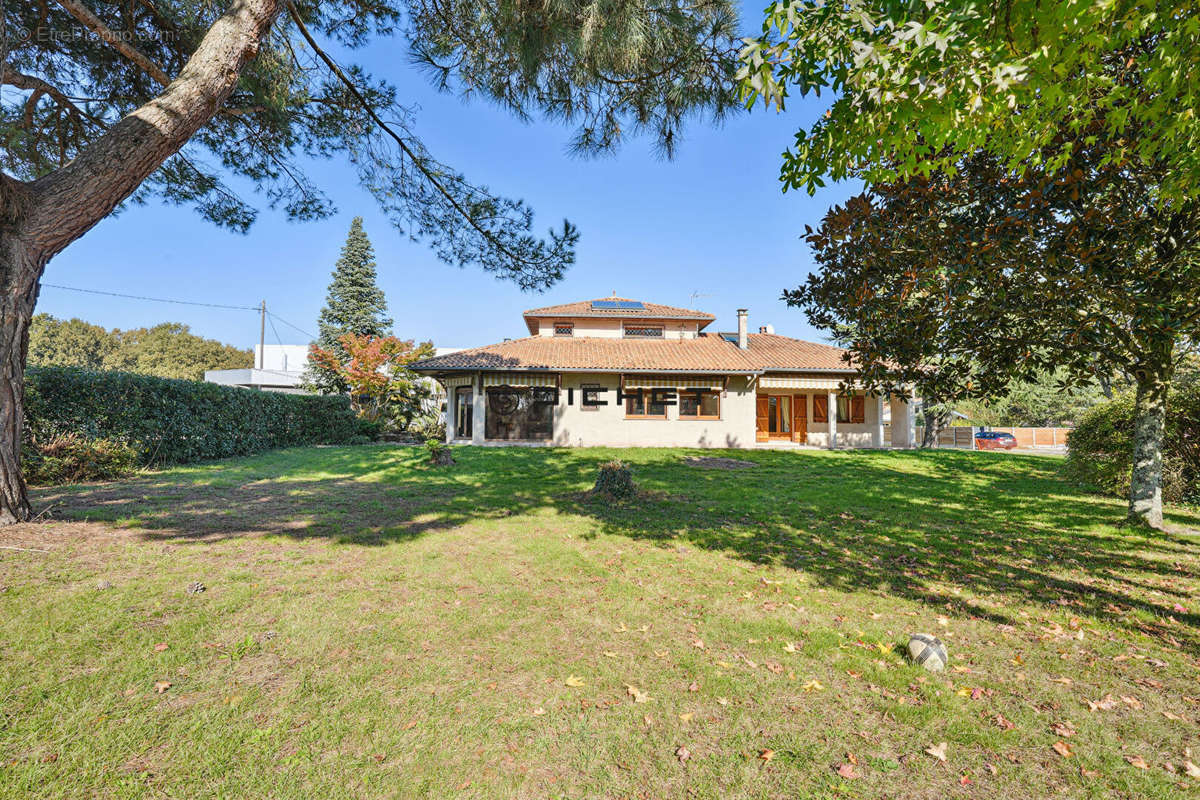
<point>743,338</point>
<point>768,328</point>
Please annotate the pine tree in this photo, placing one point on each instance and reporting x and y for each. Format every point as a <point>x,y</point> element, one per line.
<point>355,304</point>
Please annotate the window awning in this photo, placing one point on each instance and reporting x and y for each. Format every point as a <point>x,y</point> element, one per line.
<point>456,380</point>
<point>800,382</point>
<point>520,379</point>
<point>714,384</point>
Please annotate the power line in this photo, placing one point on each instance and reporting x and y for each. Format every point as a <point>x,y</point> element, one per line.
<point>290,325</point>
<point>153,299</point>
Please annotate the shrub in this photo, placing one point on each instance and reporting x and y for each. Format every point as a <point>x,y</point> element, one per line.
<point>75,459</point>
<point>176,421</point>
<point>368,430</point>
<point>615,479</point>
<point>1100,448</point>
<point>428,426</point>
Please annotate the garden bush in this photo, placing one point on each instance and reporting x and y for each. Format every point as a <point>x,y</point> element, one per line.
<point>169,421</point>
<point>72,458</point>
<point>1100,448</point>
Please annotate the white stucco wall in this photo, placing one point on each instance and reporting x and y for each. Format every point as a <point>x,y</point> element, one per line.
<point>607,425</point>
<point>614,328</point>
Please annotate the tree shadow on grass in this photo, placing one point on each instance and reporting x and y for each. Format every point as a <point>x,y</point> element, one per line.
<point>917,525</point>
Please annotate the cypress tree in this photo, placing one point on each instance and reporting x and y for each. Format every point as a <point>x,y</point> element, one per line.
<point>354,304</point>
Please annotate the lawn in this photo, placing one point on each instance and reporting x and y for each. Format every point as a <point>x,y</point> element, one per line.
<point>374,627</point>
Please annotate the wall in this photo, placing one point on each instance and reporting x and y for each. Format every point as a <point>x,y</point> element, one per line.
<point>607,425</point>
<point>849,435</point>
<point>614,328</point>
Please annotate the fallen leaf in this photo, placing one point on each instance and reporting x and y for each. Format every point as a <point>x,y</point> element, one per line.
<point>693,687</point>
<point>1138,762</point>
<point>1062,748</point>
<point>537,712</point>
<point>687,717</point>
<point>637,694</point>
<point>938,751</point>
<point>412,723</point>
<point>790,648</point>
<point>723,701</point>
<point>1132,702</point>
<point>161,646</point>
<point>1106,703</point>
<point>682,753</point>
<point>847,772</point>
<point>1191,769</point>
<point>162,686</point>
<point>1004,723</point>
<point>813,685</point>
<point>766,755</point>
<point>965,780</point>
<point>1063,729</point>
<point>610,654</point>
<point>574,680</point>
<point>698,644</point>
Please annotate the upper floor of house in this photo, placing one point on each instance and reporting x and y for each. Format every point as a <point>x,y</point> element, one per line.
<point>616,318</point>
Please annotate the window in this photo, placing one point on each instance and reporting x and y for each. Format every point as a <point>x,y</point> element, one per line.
<point>463,410</point>
<point>591,394</point>
<point>699,404</point>
<point>638,403</point>
<point>644,331</point>
<point>564,329</point>
<point>519,413</point>
<point>852,409</point>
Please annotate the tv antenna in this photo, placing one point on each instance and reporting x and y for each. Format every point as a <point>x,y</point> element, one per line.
<point>694,295</point>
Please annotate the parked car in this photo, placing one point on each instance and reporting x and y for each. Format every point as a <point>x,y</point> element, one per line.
<point>995,440</point>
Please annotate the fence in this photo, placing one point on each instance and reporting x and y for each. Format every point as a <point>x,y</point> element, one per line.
<point>964,438</point>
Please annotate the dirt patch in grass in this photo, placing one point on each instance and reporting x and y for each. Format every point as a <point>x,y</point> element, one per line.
<point>710,462</point>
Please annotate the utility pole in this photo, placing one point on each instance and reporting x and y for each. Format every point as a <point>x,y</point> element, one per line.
<point>262,333</point>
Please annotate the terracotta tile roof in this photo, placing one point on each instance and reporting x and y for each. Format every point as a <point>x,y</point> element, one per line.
<point>705,353</point>
<point>770,351</point>
<point>583,308</point>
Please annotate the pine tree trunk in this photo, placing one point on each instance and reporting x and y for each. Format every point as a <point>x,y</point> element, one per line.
<point>1145,482</point>
<point>18,293</point>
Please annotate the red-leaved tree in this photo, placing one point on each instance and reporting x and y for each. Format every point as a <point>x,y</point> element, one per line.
<point>376,370</point>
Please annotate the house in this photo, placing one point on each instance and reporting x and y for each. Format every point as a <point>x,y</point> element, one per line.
<point>277,368</point>
<point>281,367</point>
<point>623,372</point>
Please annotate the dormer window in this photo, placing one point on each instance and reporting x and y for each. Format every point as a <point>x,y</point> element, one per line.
<point>637,331</point>
<point>564,329</point>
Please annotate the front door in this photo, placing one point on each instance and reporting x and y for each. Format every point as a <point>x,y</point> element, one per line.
<point>800,418</point>
<point>773,417</point>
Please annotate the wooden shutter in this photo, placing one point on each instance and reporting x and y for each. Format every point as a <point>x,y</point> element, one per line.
<point>762,410</point>
<point>858,408</point>
<point>800,418</point>
<point>820,408</point>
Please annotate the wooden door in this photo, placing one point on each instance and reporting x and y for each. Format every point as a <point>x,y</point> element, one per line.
<point>800,418</point>
<point>761,413</point>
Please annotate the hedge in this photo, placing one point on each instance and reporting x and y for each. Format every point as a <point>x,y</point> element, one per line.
<point>1100,448</point>
<point>176,421</point>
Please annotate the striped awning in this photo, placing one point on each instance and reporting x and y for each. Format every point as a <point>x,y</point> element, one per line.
<point>799,382</point>
<point>520,379</point>
<point>456,380</point>
<point>714,384</point>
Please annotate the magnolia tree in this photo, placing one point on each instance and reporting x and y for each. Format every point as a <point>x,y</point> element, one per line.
<point>374,368</point>
<point>1069,97</point>
<point>960,285</point>
<point>107,102</point>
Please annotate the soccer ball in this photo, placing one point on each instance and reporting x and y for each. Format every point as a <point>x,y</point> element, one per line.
<point>928,651</point>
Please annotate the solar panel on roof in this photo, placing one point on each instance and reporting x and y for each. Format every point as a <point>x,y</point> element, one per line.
<point>730,337</point>
<point>623,305</point>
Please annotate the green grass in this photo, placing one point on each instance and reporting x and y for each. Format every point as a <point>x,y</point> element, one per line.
<point>373,627</point>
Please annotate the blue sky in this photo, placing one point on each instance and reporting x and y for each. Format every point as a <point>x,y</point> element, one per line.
<point>713,221</point>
